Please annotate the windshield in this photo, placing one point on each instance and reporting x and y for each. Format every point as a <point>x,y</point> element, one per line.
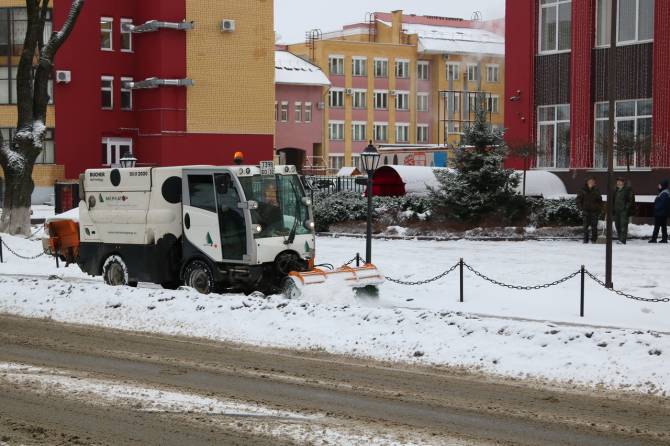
<point>280,206</point>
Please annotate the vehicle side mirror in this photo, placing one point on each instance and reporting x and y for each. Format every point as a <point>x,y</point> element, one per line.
<point>306,201</point>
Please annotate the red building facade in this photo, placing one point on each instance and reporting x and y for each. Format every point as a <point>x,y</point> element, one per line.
<point>101,115</point>
<point>557,66</point>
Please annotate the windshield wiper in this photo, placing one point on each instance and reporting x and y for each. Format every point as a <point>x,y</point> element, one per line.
<point>296,218</point>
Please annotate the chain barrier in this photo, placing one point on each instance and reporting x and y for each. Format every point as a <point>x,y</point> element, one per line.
<point>626,295</point>
<point>19,255</point>
<point>356,257</point>
<point>423,282</point>
<point>520,287</point>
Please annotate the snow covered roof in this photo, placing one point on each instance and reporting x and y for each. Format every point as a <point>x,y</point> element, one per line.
<point>291,69</point>
<point>542,183</point>
<point>348,172</point>
<point>458,40</point>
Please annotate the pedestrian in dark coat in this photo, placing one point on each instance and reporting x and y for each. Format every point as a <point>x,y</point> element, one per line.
<point>661,212</point>
<point>624,204</point>
<point>590,202</point>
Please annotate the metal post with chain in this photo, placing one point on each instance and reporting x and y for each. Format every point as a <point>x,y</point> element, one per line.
<point>2,242</point>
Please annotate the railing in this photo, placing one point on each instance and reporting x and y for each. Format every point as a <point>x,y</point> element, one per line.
<point>333,184</point>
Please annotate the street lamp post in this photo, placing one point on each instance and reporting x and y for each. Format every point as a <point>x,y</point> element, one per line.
<point>128,161</point>
<point>370,157</point>
<point>611,87</point>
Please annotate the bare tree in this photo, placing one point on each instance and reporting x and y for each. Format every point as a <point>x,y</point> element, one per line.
<point>527,151</point>
<point>35,67</point>
<point>628,146</point>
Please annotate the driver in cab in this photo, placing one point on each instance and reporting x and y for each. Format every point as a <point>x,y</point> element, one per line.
<point>269,214</point>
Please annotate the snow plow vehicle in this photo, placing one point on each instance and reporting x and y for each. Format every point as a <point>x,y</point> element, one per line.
<point>212,228</point>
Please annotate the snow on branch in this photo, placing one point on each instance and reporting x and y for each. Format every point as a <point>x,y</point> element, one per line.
<point>57,38</point>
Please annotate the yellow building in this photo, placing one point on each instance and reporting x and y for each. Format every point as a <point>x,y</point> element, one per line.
<point>405,80</point>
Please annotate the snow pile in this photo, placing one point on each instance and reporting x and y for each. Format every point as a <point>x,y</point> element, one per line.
<point>424,324</point>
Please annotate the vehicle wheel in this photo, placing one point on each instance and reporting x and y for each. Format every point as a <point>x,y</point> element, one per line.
<point>172,285</point>
<point>289,288</point>
<point>198,275</point>
<point>115,272</point>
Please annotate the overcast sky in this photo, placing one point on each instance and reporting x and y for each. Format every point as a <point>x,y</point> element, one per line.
<point>294,17</point>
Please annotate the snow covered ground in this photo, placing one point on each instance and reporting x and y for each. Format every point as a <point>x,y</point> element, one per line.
<point>423,324</point>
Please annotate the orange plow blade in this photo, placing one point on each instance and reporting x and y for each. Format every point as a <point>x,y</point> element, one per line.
<point>345,276</point>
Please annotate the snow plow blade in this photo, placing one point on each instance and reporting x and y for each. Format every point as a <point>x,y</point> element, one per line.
<point>345,276</point>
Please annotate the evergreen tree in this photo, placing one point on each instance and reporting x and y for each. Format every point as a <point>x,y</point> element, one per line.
<point>481,185</point>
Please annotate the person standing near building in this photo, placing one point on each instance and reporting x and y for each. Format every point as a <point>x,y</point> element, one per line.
<point>661,211</point>
<point>590,202</point>
<point>624,204</point>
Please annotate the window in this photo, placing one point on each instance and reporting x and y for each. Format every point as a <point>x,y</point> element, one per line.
<point>336,98</point>
<point>453,102</point>
<point>453,71</point>
<point>381,68</point>
<point>356,162</point>
<point>13,26</point>
<point>422,133</point>
<point>493,103</point>
<point>422,70</point>
<point>113,149</point>
<point>402,69</point>
<point>553,133</point>
<point>126,94</point>
<point>473,102</point>
<point>284,111</point>
<point>359,131</point>
<point>46,156</point>
<point>422,102</point>
<point>635,21</point>
<point>402,100</point>
<point>633,133</point>
<point>381,100</point>
<point>493,73</point>
<point>308,112</point>
<point>336,130</point>
<point>359,66</point>
<point>402,133</point>
<point>126,36</point>
<point>276,111</point>
<point>473,72</point>
<point>335,162</point>
<point>380,130</point>
<point>201,192</point>
<point>336,64</point>
<point>298,111</point>
<point>360,99</point>
<point>107,90</point>
<point>107,34</point>
<point>555,25</point>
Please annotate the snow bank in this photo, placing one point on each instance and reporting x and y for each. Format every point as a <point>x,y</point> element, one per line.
<point>424,324</point>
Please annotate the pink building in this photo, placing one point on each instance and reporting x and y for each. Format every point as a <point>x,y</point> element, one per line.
<point>301,90</point>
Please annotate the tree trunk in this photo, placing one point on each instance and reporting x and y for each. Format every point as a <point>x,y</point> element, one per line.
<point>17,200</point>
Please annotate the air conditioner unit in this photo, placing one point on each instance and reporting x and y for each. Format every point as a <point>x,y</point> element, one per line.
<point>63,77</point>
<point>393,92</point>
<point>227,26</point>
<point>349,91</point>
<point>321,105</point>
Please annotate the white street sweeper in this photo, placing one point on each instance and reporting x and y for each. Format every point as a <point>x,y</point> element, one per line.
<point>212,228</point>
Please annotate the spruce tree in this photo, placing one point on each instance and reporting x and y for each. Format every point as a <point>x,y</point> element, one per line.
<point>480,186</point>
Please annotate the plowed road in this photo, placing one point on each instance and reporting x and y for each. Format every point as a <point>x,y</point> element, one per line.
<point>362,401</point>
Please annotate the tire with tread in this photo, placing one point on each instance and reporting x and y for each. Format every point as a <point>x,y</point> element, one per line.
<point>199,276</point>
<point>115,272</point>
